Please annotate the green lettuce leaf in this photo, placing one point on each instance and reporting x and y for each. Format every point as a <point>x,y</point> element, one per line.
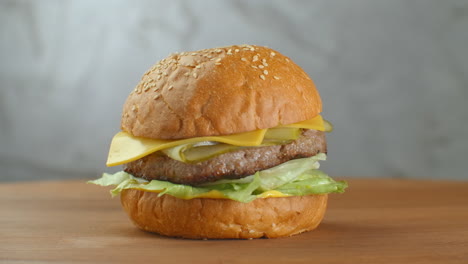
<point>295,178</point>
<point>313,182</point>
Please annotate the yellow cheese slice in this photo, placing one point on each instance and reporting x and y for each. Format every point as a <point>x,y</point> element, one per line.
<point>126,148</point>
<point>272,193</point>
<point>215,194</point>
<point>315,123</point>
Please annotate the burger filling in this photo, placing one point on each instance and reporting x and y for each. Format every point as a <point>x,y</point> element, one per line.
<point>231,165</point>
<point>283,162</point>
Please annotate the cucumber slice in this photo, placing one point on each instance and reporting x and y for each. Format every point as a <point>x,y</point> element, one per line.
<point>192,153</point>
<point>202,153</point>
<point>177,152</point>
<point>328,126</point>
<point>189,153</point>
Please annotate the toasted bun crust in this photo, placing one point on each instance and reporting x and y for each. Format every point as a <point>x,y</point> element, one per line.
<point>221,218</point>
<point>219,91</point>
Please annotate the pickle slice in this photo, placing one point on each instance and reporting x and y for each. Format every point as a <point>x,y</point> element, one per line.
<point>202,153</point>
<point>177,152</point>
<point>189,153</point>
<point>192,153</point>
<point>328,126</point>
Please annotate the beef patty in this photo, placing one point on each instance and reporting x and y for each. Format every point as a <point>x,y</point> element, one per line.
<point>230,165</point>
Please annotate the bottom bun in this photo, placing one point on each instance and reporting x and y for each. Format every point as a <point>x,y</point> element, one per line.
<point>205,218</point>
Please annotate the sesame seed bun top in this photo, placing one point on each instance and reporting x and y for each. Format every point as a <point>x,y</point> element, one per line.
<point>219,91</point>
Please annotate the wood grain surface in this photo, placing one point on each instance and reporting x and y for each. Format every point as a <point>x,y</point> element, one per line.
<point>375,221</point>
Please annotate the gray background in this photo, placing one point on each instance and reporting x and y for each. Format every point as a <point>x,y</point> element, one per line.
<point>393,76</point>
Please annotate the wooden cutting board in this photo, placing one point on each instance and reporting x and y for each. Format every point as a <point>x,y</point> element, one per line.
<point>375,221</point>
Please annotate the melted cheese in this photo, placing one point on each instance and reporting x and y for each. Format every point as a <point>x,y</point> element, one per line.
<point>126,148</point>
<point>272,193</point>
<point>315,123</point>
<point>214,194</point>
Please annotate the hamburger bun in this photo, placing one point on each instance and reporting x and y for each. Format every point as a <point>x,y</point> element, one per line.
<point>223,219</point>
<point>219,91</point>
<point>213,92</point>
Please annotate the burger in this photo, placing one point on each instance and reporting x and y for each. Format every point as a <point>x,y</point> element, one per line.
<point>223,143</point>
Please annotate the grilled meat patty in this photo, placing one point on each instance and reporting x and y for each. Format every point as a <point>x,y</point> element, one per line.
<point>230,165</point>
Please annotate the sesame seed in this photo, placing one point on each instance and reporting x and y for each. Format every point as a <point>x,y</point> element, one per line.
<point>265,64</point>
<point>217,63</point>
<point>218,50</point>
<point>236,50</point>
<point>156,97</point>
<point>252,49</point>
<point>261,66</point>
<point>170,87</point>
<point>262,76</point>
<point>146,88</point>
<point>166,74</point>
<point>287,59</point>
<point>243,59</point>
<point>263,60</point>
<point>265,72</point>
<point>186,74</point>
<point>253,66</point>
<point>272,54</point>
<point>198,66</point>
<point>133,107</point>
<point>195,75</point>
<point>255,58</point>
<point>229,52</point>
<point>193,54</point>
<point>276,77</point>
<point>218,59</point>
<point>159,77</point>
